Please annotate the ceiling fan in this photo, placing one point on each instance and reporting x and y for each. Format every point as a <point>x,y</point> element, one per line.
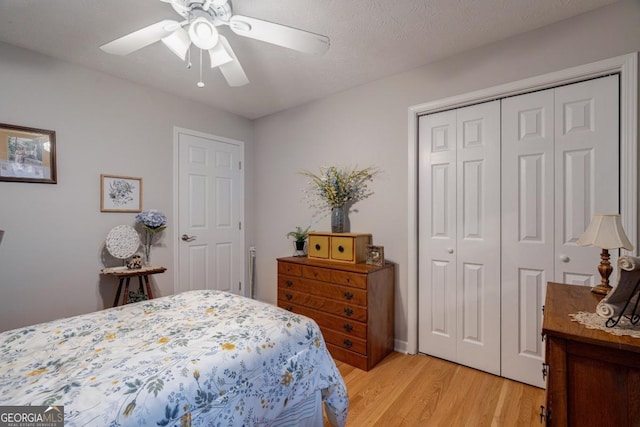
<point>201,17</point>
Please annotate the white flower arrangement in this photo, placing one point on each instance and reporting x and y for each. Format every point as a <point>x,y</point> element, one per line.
<point>335,187</point>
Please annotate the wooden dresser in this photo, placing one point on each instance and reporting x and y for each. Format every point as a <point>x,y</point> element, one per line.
<point>593,376</point>
<point>352,303</point>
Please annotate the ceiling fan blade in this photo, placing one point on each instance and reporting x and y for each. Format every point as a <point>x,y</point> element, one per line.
<point>219,55</point>
<point>178,42</point>
<point>232,71</point>
<point>141,38</point>
<point>281,35</point>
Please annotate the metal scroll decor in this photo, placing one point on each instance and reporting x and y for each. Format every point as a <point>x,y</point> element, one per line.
<point>622,300</point>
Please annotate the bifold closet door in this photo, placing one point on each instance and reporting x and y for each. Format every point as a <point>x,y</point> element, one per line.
<point>560,165</point>
<point>459,240</point>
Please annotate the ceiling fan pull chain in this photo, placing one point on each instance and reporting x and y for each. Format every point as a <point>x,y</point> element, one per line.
<point>189,58</point>
<point>200,83</point>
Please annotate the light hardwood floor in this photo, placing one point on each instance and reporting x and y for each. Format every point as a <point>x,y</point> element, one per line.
<point>418,390</point>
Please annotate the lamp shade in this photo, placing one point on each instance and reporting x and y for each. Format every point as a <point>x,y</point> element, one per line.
<point>178,42</point>
<point>605,231</point>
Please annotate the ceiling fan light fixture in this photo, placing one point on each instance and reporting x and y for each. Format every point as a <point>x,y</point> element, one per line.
<point>203,33</point>
<point>178,42</point>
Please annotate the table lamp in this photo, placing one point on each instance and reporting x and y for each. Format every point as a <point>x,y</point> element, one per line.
<point>605,231</point>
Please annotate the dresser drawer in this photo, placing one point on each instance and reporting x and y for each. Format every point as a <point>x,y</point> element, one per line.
<point>351,327</point>
<point>349,279</point>
<point>352,358</point>
<point>326,305</point>
<point>317,273</point>
<point>289,268</point>
<point>345,294</point>
<point>344,341</point>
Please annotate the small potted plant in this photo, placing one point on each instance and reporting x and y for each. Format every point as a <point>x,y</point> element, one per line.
<point>299,239</point>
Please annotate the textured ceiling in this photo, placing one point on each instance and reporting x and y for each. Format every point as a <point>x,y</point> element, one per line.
<point>370,39</point>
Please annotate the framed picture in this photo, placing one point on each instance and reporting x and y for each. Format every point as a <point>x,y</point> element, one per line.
<point>375,255</point>
<point>27,154</point>
<point>120,193</point>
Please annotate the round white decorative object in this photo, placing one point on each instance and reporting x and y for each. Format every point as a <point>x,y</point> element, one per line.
<point>123,241</point>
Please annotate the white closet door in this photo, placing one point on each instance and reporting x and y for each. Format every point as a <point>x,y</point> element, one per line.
<point>560,151</point>
<point>527,230</point>
<point>478,236</point>
<point>587,172</point>
<point>459,239</point>
<point>437,240</point>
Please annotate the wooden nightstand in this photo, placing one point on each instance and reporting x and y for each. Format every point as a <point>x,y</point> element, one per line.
<point>124,273</point>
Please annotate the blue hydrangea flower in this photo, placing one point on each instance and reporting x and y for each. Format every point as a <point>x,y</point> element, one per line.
<point>152,219</point>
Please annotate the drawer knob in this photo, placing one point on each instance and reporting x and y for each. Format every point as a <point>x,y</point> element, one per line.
<point>348,311</point>
<point>348,343</point>
<point>317,246</point>
<point>288,296</point>
<point>340,249</point>
<point>289,283</point>
<point>348,295</point>
<point>348,327</point>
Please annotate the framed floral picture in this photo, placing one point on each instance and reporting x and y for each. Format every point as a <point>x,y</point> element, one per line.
<point>120,193</point>
<point>27,154</point>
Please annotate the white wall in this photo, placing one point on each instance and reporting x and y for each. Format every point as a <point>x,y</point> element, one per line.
<point>367,125</point>
<point>52,250</point>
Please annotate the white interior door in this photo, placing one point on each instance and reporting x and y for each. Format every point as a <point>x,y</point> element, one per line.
<point>560,151</point>
<point>459,219</point>
<point>210,197</point>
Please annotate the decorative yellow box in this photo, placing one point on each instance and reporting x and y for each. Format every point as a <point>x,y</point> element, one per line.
<point>341,247</point>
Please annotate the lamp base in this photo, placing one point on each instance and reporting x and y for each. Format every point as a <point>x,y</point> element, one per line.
<point>601,289</point>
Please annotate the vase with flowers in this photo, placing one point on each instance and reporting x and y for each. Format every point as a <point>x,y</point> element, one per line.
<point>338,188</point>
<point>152,223</point>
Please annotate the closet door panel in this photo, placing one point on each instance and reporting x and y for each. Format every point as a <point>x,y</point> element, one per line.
<point>527,230</point>
<point>587,172</point>
<point>478,231</point>
<point>437,240</point>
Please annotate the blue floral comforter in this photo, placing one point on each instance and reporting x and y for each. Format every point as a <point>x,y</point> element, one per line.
<point>200,358</point>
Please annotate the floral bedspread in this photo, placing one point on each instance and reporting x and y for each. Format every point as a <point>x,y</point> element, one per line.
<point>200,358</point>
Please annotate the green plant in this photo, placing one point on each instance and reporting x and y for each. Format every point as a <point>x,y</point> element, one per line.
<point>299,235</point>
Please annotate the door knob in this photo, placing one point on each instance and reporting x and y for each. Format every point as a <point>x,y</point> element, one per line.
<point>188,238</point>
<point>450,250</point>
<point>564,258</point>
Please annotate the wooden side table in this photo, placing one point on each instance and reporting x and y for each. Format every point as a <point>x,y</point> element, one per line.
<point>125,275</point>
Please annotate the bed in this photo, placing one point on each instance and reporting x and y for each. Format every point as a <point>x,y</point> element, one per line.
<point>198,358</point>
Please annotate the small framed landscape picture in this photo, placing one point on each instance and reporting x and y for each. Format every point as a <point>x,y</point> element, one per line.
<point>27,154</point>
<point>375,255</point>
<point>120,193</point>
